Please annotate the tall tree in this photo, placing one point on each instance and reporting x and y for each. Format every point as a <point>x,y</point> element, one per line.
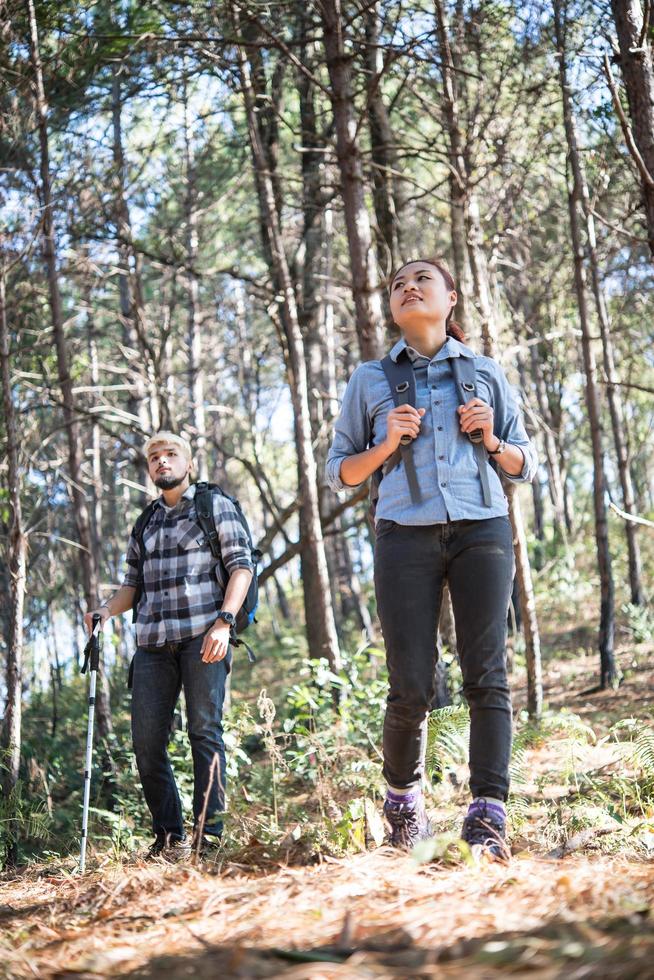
<point>320,622</point>
<point>17,561</point>
<point>365,286</point>
<point>608,673</point>
<point>635,28</point>
<point>88,558</point>
<point>483,302</point>
<point>614,397</point>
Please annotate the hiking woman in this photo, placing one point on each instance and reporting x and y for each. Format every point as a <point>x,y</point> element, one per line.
<point>441,514</point>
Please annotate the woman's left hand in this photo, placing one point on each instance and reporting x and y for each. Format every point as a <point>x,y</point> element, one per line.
<point>477,415</point>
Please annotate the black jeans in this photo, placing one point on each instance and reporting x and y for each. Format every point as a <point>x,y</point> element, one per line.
<point>159,673</point>
<point>411,564</point>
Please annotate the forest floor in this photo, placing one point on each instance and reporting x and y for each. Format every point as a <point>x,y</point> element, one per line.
<point>575,901</point>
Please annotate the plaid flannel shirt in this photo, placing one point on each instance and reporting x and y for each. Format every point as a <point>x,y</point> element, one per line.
<point>183,584</point>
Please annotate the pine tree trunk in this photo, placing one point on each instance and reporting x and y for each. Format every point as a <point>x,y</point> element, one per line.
<point>194,324</point>
<point>637,65</point>
<point>616,409</point>
<point>17,561</point>
<point>483,303</point>
<point>367,300</point>
<point>552,452</point>
<point>145,404</point>
<point>96,459</point>
<point>608,673</point>
<point>321,626</point>
<point>84,536</point>
<point>387,187</point>
<point>458,173</point>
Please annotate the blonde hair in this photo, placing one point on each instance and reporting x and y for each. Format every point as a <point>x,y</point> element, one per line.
<point>168,437</point>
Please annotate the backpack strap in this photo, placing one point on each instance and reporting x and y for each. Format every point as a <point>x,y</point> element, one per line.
<point>138,531</point>
<point>204,510</point>
<point>465,378</point>
<point>402,382</point>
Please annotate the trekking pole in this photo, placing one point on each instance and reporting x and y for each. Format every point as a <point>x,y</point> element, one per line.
<point>92,661</point>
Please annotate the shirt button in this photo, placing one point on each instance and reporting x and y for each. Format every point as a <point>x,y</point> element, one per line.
<point>436,401</point>
<point>443,484</point>
<point>441,457</point>
<point>440,428</point>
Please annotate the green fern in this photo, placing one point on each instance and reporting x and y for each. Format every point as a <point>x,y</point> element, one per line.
<point>644,750</point>
<point>21,818</point>
<point>448,735</point>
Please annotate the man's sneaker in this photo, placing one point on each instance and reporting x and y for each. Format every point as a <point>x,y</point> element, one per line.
<point>169,849</point>
<point>407,820</point>
<point>484,829</point>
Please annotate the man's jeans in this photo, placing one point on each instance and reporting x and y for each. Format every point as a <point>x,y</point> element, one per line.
<point>158,675</point>
<point>411,564</point>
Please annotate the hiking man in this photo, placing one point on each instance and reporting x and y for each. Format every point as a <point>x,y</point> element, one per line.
<point>185,603</point>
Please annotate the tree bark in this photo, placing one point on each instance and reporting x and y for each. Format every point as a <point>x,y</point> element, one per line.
<point>146,404</point>
<point>365,291</point>
<point>318,335</point>
<point>17,552</point>
<point>616,409</point>
<point>86,553</point>
<point>194,334</point>
<point>552,453</point>
<point>608,673</point>
<point>484,306</point>
<point>387,186</point>
<point>321,626</point>
<point>637,66</point>
<point>458,173</point>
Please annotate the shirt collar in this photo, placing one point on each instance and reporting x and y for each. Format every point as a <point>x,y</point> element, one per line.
<point>451,348</point>
<point>188,494</point>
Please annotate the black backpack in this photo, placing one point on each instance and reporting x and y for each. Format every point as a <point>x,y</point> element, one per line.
<point>204,508</point>
<point>402,383</point>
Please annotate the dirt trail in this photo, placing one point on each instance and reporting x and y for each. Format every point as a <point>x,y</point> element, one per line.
<point>376,914</point>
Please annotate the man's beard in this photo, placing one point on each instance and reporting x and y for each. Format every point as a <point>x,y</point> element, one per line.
<point>168,482</point>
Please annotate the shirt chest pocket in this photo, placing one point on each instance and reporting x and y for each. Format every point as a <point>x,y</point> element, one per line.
<point>194,553</point>
<point>190,536</point>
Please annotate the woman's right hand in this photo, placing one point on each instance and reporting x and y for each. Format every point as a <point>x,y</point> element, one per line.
<point>402,421</point>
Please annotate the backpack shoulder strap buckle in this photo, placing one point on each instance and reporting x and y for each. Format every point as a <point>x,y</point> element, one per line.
<point>204,511</point>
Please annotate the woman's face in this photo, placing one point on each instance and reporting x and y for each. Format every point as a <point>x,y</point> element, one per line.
<point>419,296</point>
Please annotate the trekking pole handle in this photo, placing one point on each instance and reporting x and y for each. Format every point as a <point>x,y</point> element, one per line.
<point>92,648</point>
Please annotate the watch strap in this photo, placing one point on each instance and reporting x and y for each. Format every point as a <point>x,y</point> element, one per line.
<point>500,449</point>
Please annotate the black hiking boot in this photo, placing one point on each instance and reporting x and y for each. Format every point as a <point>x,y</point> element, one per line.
<point>484,829</point>
<point>407,822</point>
<point>171,850</point>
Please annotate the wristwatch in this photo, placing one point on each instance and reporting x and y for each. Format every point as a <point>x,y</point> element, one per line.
<point>500,449</point>
<point>226,617</point>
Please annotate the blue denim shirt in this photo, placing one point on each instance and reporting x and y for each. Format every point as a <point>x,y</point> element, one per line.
<point>444,457</point>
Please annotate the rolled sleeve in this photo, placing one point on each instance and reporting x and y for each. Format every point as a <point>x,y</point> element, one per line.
<point>131,578</point>
<point>352,431</point>
<point>235,547</point>
<point>509,425</point>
